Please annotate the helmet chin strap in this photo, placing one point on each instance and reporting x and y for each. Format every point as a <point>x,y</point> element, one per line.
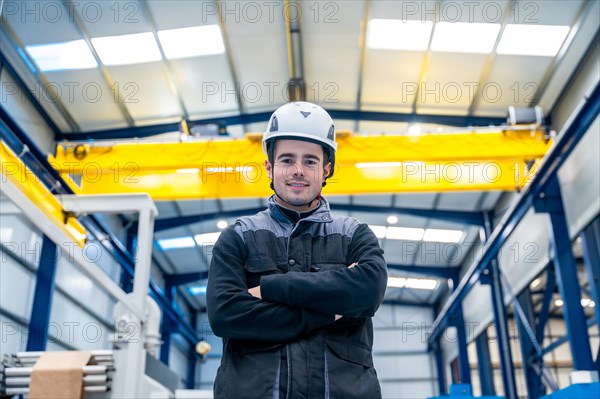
<point>308,204</point>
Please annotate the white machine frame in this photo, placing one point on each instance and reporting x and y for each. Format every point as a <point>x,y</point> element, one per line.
<point>132,382</point>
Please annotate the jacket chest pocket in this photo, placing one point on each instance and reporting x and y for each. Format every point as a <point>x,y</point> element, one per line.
<point>255,268</point>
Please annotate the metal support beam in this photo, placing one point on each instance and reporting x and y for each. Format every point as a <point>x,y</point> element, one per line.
<point>590,244</point>
<point>491,276</point>
<point>546,302</point>
<point>42,298</point>
<point>550,201</point>
<point>464,368</point>
<point>461,217</point>
<point>174,280</point>
<point>243,119</point>
<point>441,369</point>
<point>568,139</point>
<point>484,364</point>
<point>488,159</point>
<point>535,388</point>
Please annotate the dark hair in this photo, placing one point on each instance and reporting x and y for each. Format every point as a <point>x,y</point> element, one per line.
<point>271,150</point>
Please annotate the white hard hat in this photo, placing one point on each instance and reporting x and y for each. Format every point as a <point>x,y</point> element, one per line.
<point>301,121</point>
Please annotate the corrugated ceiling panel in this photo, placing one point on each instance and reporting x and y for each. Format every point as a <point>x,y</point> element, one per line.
<point>88,99</point>
<point>451,82</point>
<point>145,91</point>
<point>330,35</point>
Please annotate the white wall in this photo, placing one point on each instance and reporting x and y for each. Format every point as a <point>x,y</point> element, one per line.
<point>404,367</point>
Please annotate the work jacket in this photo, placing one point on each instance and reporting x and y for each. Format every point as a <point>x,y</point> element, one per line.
<point>288,344</point>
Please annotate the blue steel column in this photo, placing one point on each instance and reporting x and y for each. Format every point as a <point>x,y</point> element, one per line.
<point>441,370</point>
<point>42,298</point>
<point>590,244</point>
<point>458,321</point>
<point>484,364</point>
<point>167,326</point>
<point>566,273</point>
<point>491,276</point>
<point>126,279</point>
<point>535,387</point>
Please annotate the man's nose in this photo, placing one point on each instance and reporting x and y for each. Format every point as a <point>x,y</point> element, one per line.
<point>298,169</point>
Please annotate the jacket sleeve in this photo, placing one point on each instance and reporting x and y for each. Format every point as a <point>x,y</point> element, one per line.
<point>234,313</point>
<point>352,292</point>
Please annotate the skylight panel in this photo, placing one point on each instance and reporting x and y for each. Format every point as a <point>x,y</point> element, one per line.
<point>536,40</point>
<point>440,235</point>
<point>396,34</point>
<point>463,37</point>
<point>127,49</point>
<point>404,233</point>
<point>192,42</point>
<point>176,243</point>
<point>62,56</point>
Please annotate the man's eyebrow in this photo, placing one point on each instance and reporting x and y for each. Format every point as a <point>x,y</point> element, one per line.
<point>286,155</point>
<point>291,155</point>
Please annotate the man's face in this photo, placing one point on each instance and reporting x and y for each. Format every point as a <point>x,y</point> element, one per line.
<point>298,172</point>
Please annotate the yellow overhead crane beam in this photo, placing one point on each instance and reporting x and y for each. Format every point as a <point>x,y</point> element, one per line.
<point>15,171</point>
<point>234,167</point>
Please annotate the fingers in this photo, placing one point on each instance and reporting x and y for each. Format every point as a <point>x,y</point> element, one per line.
<point>352,265</point>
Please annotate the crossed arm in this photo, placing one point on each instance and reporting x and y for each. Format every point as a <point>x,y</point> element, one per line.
<point>286,306</point>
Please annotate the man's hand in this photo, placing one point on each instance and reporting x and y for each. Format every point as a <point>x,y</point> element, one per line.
<point>352,265</point>
<point>337,317</point>
<point>255,292</point>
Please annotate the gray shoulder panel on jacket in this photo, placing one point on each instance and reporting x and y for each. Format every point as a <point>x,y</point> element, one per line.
<point>341,224</point>
<point>261,221</point>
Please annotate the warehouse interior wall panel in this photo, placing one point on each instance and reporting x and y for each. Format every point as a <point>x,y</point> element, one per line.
<point>178,357</point>
<point>524,256</point>
<point>580,186</point>
<point>16,288</point>
<point>23,113</point>
<point>400,351</point>
<point>584,80</point>
<point>14,336</point>
<point>574,53</point>
<point>76,283</point>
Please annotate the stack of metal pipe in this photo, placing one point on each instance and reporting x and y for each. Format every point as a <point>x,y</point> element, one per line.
<point>97,376</point>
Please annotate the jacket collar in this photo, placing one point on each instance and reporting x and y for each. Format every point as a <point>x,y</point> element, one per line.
<point>321,215</point>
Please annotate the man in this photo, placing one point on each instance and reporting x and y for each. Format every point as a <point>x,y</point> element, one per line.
<point>292,289</point>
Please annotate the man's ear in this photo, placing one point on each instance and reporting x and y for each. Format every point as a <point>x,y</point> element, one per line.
<point>269,169</point>
<point>327,169</point>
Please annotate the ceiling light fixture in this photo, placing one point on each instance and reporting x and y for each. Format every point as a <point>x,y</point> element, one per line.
<point>192,42</point>
<point>62,56</point>
<point>127,49</point>
<point>536,40</point>
<point>397,34</point>
<point>464,37</point>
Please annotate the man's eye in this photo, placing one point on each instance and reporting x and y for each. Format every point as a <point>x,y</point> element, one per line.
<point>286,161</point>
<point>311,163</point>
